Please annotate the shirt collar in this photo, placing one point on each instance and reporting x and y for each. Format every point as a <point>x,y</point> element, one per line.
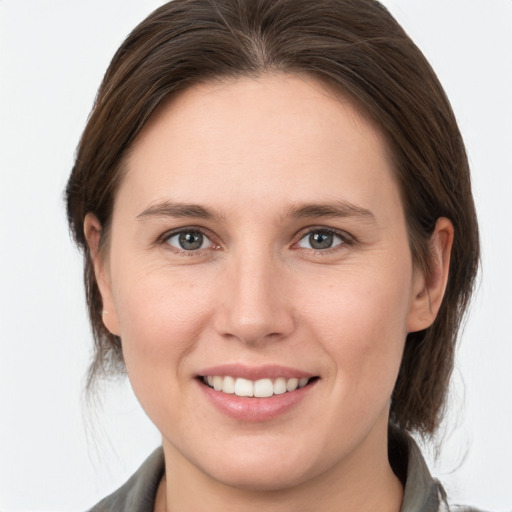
<point>422,492</point>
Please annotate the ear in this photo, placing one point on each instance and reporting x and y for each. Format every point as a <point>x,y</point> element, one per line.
<point>92,231</point>
<point>428,290</point>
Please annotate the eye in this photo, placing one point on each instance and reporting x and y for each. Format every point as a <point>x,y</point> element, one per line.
<point>189,240</point>
<point>321,239</point>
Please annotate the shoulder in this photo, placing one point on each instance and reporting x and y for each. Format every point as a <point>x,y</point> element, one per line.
<point>447,507</point>
<point>139,492</point>
<point>463,508</point>
<point>422,492</point>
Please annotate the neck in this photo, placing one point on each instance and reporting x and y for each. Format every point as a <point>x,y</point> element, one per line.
<point>362,482</point>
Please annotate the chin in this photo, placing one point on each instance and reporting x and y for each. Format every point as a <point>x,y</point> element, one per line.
<point>263,477</point>
<point>261,468</point>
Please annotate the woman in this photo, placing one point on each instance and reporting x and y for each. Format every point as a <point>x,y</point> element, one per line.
<point>280,241</point>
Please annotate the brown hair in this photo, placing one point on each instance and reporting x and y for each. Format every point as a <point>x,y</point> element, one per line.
<point>353,45</point>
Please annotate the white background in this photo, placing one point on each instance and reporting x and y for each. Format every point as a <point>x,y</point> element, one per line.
<point>57,454</point>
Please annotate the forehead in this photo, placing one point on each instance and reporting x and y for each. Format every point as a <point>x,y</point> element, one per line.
<point>252,137</point>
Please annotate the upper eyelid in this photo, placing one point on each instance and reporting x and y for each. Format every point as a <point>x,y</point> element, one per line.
<point>344,235</point>
<point>311,229</point>
<point>162,239</point>
<point>185,229</point>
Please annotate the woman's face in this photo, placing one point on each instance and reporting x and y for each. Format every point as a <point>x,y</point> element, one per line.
<point>258,238</point>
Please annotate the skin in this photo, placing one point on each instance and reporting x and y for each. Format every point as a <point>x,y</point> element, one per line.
<point>251,151</point>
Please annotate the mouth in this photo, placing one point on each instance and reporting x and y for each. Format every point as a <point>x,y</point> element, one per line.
<point>261,388</point>
<point>255,393</point>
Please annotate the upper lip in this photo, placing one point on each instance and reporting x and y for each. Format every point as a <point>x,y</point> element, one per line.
<point>254,372</point>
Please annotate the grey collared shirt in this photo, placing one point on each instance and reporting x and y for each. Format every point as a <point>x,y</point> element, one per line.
<point>422,493</point>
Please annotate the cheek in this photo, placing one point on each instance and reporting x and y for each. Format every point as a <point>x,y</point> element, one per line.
<point>362,324</point>
<point>161,316</point>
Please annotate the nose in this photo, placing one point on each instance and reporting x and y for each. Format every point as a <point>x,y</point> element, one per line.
<point>254,305</point>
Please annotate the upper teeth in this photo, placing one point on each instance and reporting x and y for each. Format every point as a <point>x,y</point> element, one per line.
<point>260,388</point>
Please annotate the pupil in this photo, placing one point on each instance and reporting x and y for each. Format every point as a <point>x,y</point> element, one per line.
<point>320,240</point>
<point>191,240</point>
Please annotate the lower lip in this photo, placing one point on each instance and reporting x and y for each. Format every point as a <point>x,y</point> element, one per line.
<point>252,409</point>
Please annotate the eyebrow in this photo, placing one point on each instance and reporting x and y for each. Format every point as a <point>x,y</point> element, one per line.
<point>179,210</point>
<point>335,209</point>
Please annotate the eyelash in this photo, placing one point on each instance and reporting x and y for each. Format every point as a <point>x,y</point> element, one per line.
<point>346,240</point>
<point>164,240</point>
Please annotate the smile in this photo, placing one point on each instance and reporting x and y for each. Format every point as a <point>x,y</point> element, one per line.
<point>262,388</point>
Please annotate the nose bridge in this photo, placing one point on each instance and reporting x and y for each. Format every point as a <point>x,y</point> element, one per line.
<point>253,305</point>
